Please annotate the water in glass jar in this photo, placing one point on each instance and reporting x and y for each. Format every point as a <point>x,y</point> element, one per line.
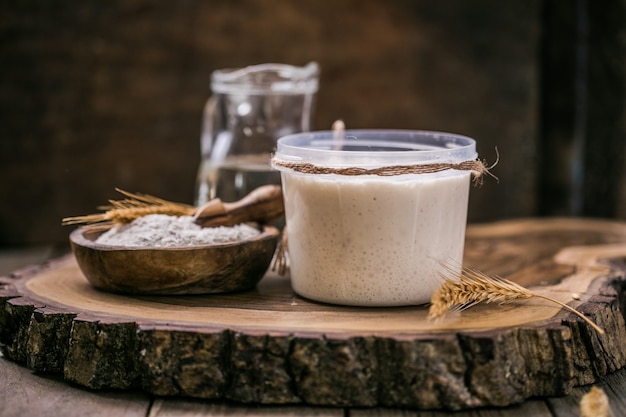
<point>235,177</point>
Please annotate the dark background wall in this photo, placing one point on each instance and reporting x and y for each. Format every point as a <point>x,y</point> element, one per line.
<point>102,94</point>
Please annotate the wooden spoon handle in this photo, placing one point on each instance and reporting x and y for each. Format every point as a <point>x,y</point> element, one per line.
<point>261,205</point>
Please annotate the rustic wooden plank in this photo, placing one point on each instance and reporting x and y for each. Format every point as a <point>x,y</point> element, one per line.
<point>582,109</point>
<point>271,346</point>
<point>23,393</point>
<point>190,408</point>
<point>614,385</point>
<point>535,408</point>
<point>530,408</point>
<point>12,259</point>
<point>569,405</point>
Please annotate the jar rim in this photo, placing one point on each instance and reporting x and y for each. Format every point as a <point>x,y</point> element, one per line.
<point>269,78</point>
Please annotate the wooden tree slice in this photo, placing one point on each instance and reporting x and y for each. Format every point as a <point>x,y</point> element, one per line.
<point>270,346</point>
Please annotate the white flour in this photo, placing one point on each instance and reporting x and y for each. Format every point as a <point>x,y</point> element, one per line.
<point>160,230</point>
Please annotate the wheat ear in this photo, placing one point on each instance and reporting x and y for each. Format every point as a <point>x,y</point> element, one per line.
<point>595,403</point>
<point>473,287</point>
<point>132,207</point>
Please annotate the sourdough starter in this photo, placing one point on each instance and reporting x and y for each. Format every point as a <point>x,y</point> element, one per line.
<point>373,241</point>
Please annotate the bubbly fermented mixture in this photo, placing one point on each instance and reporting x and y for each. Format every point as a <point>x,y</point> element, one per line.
<point>160,230</point>
<point>371,241</point>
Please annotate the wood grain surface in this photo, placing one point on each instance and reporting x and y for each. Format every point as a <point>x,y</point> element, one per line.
<point>270,346</point>
<point>201,269</point>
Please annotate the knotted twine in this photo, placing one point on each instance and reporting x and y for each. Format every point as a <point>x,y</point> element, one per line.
<point>476,167</point>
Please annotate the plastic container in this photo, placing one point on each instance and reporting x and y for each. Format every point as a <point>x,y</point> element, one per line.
<point>358,238</point>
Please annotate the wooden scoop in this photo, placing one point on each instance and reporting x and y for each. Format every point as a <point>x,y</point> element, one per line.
<point>261,205</point>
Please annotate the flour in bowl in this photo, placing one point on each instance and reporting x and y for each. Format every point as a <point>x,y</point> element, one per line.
<point>160,230</point>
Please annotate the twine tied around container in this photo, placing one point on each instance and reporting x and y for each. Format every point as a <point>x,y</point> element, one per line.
<point>477,167</point>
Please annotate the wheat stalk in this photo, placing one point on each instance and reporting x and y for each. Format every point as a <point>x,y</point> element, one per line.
<point>595,403</point>
<point>134,206</point>
<point>473,287</point>
<point>280,263</point>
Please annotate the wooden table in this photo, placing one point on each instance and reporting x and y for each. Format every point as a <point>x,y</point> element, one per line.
<point>23,392</point>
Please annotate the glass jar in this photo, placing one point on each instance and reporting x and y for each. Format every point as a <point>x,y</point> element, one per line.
<point>250,108</point>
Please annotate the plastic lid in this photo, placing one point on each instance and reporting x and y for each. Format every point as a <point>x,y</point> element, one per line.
<point>375,148</point>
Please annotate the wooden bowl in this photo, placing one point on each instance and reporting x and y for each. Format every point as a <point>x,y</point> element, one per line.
<point>174,271</point>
